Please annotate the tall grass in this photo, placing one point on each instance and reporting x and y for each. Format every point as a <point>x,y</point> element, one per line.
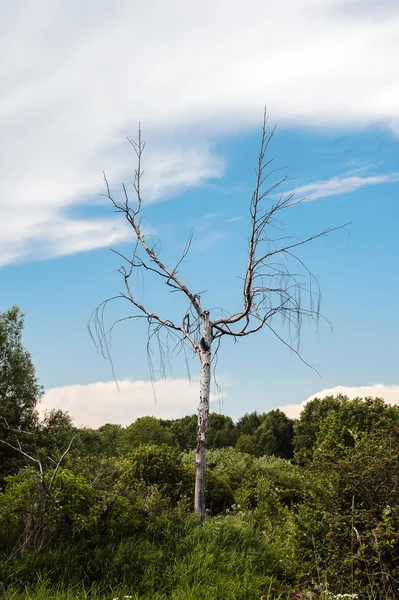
<point>221,560</point>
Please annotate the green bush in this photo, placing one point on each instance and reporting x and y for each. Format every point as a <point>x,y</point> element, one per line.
<point>161,466</point>
<point>349,519</point>
<point>20,505</point>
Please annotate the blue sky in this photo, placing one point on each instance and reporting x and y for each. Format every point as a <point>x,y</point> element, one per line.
<point>77,81</point>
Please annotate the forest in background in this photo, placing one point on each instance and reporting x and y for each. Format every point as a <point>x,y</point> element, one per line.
<point>295,509</point>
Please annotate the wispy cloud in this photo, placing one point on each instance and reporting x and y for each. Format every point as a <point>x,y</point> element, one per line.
<point>232,219</point>
<point>339,185</point>
<point>390,393</point>
<point>208,238</point>
<point>38,222</point>
<point>75,81</point>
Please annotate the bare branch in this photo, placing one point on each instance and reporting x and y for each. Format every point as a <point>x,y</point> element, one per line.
<point>271,288</point>
<point>63,455</point>
<point>276,282</point>
<point>292,349</point>
<point>134,219</point>
<point>18,448</point>
<point>145,257</point>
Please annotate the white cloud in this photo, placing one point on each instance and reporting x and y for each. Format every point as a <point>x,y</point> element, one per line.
<point>390,393</point>
<point>232,219</point>
<point>207,239</point>
<point>75,78</point>
<point>341,185</point>
<point>94,404</point>
<point>37,222</point>
<point>57,235</point>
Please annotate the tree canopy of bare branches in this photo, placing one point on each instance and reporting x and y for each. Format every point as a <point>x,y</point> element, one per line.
<point>276,282</point>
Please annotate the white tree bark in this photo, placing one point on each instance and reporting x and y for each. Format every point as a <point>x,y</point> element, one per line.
<point>203,414</point>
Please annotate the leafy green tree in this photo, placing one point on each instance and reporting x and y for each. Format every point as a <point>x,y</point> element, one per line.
<point>112,438</point>
<point>274,436</point>
<point>341,427</point>
<point>249,423</point>
<point>184,432</point>
<point>73,507</point>
<point>222,431</point>
<point>245,428</point>
<point>53,434</point>
<point>248,477</point>
<point>309,424</point>
<point>146,430</point>
<point>19,389</point>
<point>88,443</point>
<point>36,515</point>
<point>219,496</point>
<point>336,420</point>
<point>107,441</point>
<point>283,477</point>
<point>246,444</point>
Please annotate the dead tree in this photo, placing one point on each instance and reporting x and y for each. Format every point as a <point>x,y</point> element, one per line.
<point>271,286</point>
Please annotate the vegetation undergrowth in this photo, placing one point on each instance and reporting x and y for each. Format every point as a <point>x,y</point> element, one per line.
<point>221,559</point>
<point>296,509</point>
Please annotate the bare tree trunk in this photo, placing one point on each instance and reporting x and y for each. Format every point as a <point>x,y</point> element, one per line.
<point>203,413</point>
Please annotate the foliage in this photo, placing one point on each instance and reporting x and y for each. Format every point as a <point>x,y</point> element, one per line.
<point>184,432</point>
<point>222,432</point>
<point>161,466</point>
<point>52,435</point>
<point>336,421</point>
<point>146,430</point>
<point>19,507</point>
<point>274,436</point>
<point>177,559</point>
<point>106,441</point>
<point>231,464</point>
<point>249,423</point>
<point>342,427</point>
<point>113,517</point>
<point>308,426</point>
<point>19,389</point>
<point>350,517</point>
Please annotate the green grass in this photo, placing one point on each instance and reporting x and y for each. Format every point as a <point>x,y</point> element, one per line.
<point>219,561</point>
<point>44,592</point>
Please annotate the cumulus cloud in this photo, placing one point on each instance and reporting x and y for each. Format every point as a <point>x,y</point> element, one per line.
<point>94,404</point>
<point>390,393</point>
<point>75,78</point>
